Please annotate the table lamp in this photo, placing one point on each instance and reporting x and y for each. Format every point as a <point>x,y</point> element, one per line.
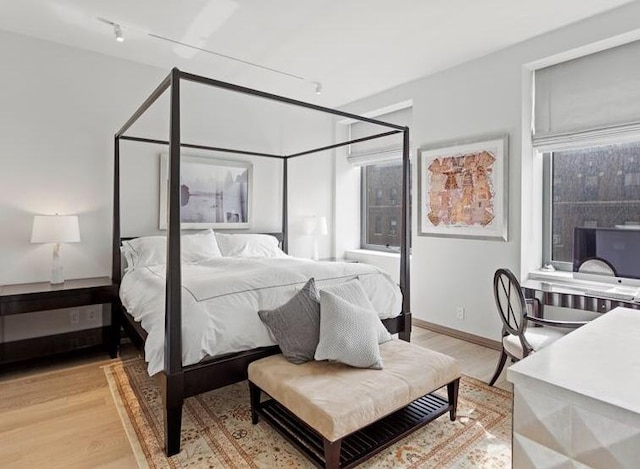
<point>55,229</point>
<point>319,230</point>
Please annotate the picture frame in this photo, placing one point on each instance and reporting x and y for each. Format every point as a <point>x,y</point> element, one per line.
<point>463,188</point>
<point>215,193</point>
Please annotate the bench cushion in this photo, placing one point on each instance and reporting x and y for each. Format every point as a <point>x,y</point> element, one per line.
<point>336,400</point>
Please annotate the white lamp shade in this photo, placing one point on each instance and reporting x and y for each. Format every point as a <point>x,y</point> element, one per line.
<point>309,225</point>
<point>321,226</point>
<point>55,229</point>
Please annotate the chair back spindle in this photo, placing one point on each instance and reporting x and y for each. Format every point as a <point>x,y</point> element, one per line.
<point>510,301</point>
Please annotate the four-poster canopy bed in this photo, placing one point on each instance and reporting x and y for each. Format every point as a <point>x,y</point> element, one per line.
<point>177,380</point>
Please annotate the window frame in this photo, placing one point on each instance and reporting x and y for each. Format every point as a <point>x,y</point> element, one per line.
<point>547,215</point>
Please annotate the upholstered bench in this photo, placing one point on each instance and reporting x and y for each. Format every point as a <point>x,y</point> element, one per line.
<point>338,415</point>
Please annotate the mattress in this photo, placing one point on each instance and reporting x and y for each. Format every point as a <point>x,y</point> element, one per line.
<point>221,298</point>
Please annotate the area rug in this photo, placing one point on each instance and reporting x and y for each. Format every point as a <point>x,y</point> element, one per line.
<point>217,430</point>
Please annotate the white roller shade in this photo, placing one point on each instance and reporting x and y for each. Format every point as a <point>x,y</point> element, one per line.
<point>379,150</point>
<point>593,93</point>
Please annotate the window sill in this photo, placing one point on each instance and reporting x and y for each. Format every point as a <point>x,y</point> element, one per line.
<point>371,252</point>
<point>561,275</point>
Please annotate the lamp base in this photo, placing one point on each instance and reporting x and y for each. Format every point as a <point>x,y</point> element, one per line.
<point>57,276</point>
<point>315,256</point>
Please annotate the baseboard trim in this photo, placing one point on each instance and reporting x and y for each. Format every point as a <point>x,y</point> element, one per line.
<point>474,339</point>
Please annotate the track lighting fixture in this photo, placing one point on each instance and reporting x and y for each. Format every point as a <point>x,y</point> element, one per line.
<point>117,30</point>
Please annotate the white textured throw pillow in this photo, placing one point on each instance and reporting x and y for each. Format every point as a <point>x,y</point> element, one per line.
<point>348,333</point>
<point>353,292</point>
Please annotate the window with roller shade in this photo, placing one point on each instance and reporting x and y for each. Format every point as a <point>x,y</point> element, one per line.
<point>587,126</point>
<point>381,165</point>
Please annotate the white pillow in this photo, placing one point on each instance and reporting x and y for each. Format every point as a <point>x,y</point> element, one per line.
<point>200,246</point>
<point>145,251</point>
<point>152,250</point>
<point>249,245</point>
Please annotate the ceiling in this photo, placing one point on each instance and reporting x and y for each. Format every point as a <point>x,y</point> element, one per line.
<point>355,48</point>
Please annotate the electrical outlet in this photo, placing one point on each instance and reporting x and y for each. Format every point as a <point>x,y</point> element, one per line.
<point>460,312</point>
<point>74,316</point>
<point>91,315</point>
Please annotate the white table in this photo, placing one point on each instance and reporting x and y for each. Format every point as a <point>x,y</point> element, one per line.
<point>577,402</point>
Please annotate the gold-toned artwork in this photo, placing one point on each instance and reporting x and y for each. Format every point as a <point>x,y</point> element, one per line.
<point>461,190</point>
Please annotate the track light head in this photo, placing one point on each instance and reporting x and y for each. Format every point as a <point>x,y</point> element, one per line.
<point>318,86</point>
<point>117,30</point>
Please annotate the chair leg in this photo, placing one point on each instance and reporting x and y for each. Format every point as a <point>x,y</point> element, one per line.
<point>501,362</point>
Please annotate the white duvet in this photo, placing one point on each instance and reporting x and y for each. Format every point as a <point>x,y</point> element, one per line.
<point>221,298</point>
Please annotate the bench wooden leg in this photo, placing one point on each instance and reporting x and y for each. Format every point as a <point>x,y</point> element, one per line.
<point>254,392</point>
<point>452,393</point>
<point>332,454</point>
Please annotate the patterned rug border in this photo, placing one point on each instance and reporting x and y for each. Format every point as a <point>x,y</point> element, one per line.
<point>143,459</point>
<point>127,424</point>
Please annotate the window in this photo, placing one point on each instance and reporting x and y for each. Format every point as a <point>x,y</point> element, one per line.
<point>590,187</point>
<point>378,228</point>
<point>393,226</point>
<point>393,196</point>
<point>379,179</point>
<point>586,128</point>
<point>378,196</point>
<point>380,160</point>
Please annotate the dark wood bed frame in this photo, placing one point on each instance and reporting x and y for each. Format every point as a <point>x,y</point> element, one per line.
<point>179,382</point>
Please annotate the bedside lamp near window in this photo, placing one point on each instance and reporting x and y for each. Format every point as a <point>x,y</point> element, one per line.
<point>55,229</point>
<point>315,226</point>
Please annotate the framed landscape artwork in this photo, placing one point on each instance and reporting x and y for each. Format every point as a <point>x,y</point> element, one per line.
<point>214,193</point>
<point>462,189</point>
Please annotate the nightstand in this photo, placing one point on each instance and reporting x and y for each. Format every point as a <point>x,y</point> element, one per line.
<point>32,297</point>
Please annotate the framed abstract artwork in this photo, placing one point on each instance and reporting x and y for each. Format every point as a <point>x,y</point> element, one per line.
<point>214,193</point>
<point>462,188</point>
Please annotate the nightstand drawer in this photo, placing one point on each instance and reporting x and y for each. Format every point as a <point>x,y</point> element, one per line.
<point>42,304</point>
<point>65,297</point>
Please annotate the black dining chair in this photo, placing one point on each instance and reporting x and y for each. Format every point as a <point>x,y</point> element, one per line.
<point>518,340</point>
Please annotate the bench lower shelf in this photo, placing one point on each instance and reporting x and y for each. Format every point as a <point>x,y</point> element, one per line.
<point>362,444</point>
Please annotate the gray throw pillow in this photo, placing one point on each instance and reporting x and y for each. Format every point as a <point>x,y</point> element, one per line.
<point>353,292</point>
<point>295,325</point>
<point>348,333</point>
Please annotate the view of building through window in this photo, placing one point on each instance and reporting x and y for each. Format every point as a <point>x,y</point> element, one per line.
<point>382,213</point>
<point>593,187</point>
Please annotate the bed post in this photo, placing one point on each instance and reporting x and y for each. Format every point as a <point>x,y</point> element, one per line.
<point>285,208</point>
<point>173,377</point>
<point>116,268</point>
<point>405,241</point>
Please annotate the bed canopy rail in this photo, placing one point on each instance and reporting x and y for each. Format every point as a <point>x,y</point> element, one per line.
<point>180,381</point>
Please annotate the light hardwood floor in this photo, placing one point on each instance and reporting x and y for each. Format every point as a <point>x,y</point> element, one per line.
<point>63,415</point>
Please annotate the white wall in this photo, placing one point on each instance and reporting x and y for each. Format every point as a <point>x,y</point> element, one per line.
<point>310,194</point>
<point>474,99</point>
<point>59,110</point>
